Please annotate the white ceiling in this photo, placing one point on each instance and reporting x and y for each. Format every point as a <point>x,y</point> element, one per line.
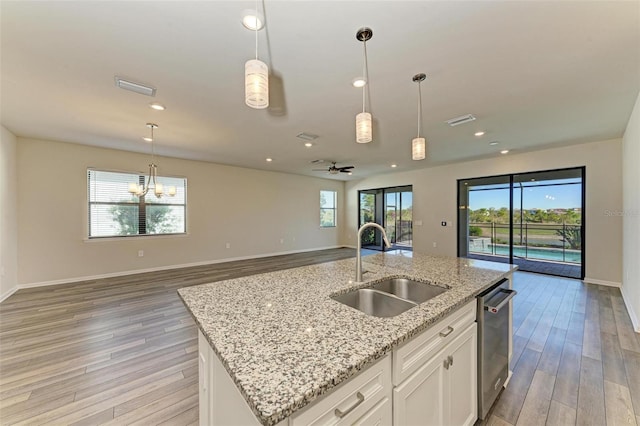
<point>535,74</point>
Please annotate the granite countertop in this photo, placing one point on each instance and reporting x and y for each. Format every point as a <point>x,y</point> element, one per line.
<point>285,342</point>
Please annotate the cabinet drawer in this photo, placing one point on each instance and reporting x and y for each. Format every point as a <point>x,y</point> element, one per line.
<point>412,355</point>
<point>351,400</point>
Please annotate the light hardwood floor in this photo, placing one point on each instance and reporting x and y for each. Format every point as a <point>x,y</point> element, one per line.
<point>123,350</point>
<point>576,356</point>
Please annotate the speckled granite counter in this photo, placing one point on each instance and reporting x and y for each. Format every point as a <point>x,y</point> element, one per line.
<point>285,342</point>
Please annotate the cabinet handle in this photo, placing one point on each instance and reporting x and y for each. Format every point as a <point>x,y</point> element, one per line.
<point>450,359</point>
<point>446,333</point>
<point>360,400</point>
<point>446,364</point>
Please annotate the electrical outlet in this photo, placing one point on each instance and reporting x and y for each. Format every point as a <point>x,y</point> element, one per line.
<point>435,244</point>
<point>281,240</point>
<point>228,245</point>
<point>418,223</point>
<point>140,253</point>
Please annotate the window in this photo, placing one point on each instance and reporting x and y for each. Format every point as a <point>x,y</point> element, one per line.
<point>328,208</point>
<point>114,212</point>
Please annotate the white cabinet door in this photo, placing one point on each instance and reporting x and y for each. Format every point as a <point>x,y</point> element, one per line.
<point>443,391</point>
<point>419,400</point>
<point>204,379</point>
<point>461,378</point>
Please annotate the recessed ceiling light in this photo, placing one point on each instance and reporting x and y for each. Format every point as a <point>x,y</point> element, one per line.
<point>308,144</point>
<point>350,173</point>
<point>147,139</point>
<point>157,106</point>
<point>478,134</point>
<point>252,20</point>
<point>394,165</point>
<point>504,151</point>
<point>359,82</point>
<point>494,143</point>
<point>269,160</point>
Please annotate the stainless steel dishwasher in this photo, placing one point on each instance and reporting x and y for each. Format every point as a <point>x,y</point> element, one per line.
<point>493,343</point>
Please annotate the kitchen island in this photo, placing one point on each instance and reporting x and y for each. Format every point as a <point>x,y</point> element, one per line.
<point>284,343</point>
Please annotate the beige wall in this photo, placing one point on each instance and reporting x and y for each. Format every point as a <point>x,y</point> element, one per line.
<point>250,209</point>
<point>8,213</point>
<point>435,199</point>
<point>631,215</point>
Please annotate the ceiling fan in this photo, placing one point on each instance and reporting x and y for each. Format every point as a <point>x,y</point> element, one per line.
<point>332,169</point>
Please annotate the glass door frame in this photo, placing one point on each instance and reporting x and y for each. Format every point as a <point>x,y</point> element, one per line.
<point>463,251</point>
<point>380,212</point>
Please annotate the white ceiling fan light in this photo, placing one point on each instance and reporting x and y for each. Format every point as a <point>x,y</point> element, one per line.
<point>364,125</point>
<point>256,79</point>
<point>419,144</point>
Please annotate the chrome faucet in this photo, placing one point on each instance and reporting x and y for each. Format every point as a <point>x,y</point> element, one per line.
<point>359,250</point>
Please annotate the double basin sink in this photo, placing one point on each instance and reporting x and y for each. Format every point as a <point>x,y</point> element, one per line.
<point>389,297</point>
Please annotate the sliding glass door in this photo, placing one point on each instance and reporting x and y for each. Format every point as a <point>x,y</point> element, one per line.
<point>485,210</point>
<point>534,220</point>
<point>391,208</point>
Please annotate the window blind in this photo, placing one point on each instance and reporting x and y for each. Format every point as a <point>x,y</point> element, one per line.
<point>115,212</point>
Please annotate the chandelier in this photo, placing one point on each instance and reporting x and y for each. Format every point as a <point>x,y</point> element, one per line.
<point>140,190</point>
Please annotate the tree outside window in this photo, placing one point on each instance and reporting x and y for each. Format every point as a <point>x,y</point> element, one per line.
<point>328,207</point>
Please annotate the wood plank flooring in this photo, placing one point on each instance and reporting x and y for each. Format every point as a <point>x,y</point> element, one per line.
<point>123,350</point>
<point>112,351</point>
<point>576,357</point>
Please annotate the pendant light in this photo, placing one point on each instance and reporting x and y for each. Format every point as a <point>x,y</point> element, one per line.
<point>256,79</point>
<point>419,145</point>
<point>158,189</point>
<point>364,131</point>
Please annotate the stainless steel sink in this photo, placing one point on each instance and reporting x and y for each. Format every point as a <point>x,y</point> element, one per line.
<point>374,302</point>
<point>389,297</point>
<point>414,291</point>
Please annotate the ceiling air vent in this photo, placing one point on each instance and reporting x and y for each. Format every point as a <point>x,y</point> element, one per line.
<point>307,136</point>
<point>460,120</point>
<point>135,87</point>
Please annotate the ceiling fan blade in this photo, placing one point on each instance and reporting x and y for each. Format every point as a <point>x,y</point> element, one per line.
<point>346,167</point>
<point>345,171</point>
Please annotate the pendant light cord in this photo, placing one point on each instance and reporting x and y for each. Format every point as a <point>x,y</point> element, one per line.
<point>419,106</point>
<point>256,31</point>
<point>365,75</point>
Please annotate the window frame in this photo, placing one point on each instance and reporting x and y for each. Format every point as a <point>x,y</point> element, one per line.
<point>142,204</point>
<point>334,208</point>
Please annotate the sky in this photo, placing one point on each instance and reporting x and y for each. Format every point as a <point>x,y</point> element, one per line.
<point>542,197</point>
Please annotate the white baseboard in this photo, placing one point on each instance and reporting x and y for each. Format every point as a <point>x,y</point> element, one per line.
<point>7,294</point>
<point>602,282</point>
<point>164,268</point>
<point>632,313</point>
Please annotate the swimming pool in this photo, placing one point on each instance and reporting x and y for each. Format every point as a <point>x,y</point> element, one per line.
<point>554,254</point>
